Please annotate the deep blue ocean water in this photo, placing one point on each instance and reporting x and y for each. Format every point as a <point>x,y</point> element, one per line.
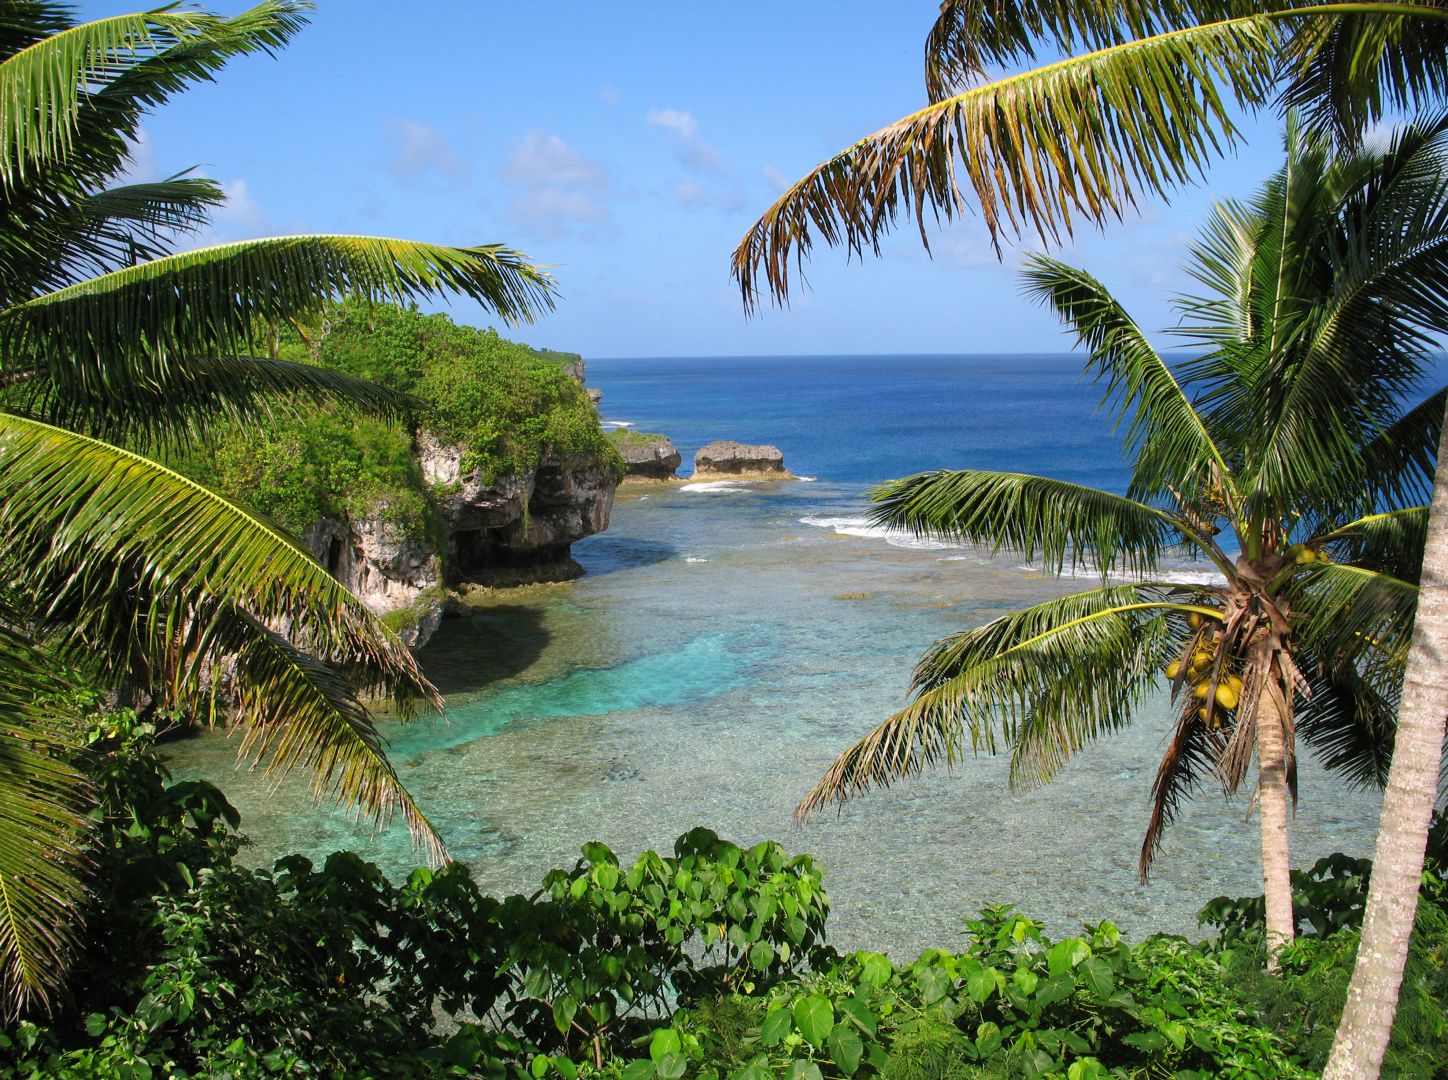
<point>729,639</point>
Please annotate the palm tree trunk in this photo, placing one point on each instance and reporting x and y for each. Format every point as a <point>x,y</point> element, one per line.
<point>1272,799</point>
<point>1372,997</point>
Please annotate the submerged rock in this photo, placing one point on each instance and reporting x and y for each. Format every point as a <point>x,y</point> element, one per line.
<point>647,457</point>
<point>726,458</point>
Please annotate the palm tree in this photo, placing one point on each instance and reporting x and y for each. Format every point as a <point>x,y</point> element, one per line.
<point>1141,103</point>
<point>120,570</point>
<point>1321,300</point>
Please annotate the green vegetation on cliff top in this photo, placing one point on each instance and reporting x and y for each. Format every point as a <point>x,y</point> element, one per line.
<point>505,402</point>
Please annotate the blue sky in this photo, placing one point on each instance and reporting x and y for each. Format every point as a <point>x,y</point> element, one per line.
<point>630,145</point>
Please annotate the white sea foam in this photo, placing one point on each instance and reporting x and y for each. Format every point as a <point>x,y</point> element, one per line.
<point>806,479</point>
<point>1180,575</point>
<point>615,423</point>
<point>694,558</point>
<point>862,527</point>
<point>715,486</point>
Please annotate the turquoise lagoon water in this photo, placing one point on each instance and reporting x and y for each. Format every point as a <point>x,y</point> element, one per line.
<point>729,639</point>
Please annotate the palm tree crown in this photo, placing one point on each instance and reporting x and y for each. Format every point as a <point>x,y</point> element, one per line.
<point>1146,97</point>
<point>1283,454</point>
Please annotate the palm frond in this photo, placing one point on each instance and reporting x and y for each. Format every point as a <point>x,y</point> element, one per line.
<point>24,22</point>
<point>44,86</point>
<point>970,36</point>
<point>1168,441</point>
<point>199,394</point>
<point>131,326</point>
<point>1390,543</point>
<point>1399,462</point>
<point>1350,718</point>
<point>1030,515</point>
<point>1348,613</point>
<point>48,242</point>
<point>1350,71</point>
<point>42,829</point>
<point>1044,681</point>
<point>303,714</point>
<point>149,571</point>
<point>1078,137</point>
<point>1190,758</point>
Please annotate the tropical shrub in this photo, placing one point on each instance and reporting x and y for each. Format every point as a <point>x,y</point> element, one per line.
<point>505,402</point>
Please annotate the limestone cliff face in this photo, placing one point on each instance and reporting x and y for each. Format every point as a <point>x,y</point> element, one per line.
<point>388,569</point>
<point>516,530</point>
<point>520,527</point>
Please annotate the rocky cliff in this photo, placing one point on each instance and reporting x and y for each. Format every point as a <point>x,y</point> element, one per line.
<point>519,527</point>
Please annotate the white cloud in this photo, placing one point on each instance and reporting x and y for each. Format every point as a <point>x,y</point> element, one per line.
<point>541,158</point>
<point>775,179</point>
<point>241,213</point>
<point>558,187</point>
<point>703,159</point>
<point>677,121</point>
<point>423,148</point>
<point>609,95</point>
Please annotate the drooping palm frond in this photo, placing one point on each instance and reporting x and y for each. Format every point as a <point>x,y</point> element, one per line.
<point>1033,516</point>
<point>153,573</point>
<point>1398,464</point>
<point>42,826</point>
<point>300,713</point>
<point>1168,442</point>
<point>48,243</point>
<point>1043,681</point>
<point>101,336</point>
<point>1390,543</point>
<point>1348,72</point>
<point>1189,760</point>
<point>1350,718</point>
<point>1343,68</point>
<point>24,22</point>
<point>970,36</point>
<point>1080,137</point>
<point>1347,613</point>
<point>45,85</point>
<point>198,394</point>
<point>1142,112</point>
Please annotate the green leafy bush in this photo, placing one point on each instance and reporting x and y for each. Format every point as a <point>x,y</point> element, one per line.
<point>506,403</point>
<point>708,963</point>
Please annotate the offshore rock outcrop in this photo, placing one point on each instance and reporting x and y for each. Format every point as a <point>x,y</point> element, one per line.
<point>724,458</point>
<point>647,457</point>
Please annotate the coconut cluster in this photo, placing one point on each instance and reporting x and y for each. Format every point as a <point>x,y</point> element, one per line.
<point>1197,668</point>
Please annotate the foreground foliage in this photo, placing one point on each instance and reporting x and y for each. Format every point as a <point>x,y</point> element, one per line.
<point>709,962</point>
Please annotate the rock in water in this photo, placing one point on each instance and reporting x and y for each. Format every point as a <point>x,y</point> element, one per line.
<point>646,457</point>
<point>733,459</point>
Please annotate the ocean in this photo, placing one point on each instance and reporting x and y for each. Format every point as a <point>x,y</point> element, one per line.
<point>729,639</point>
